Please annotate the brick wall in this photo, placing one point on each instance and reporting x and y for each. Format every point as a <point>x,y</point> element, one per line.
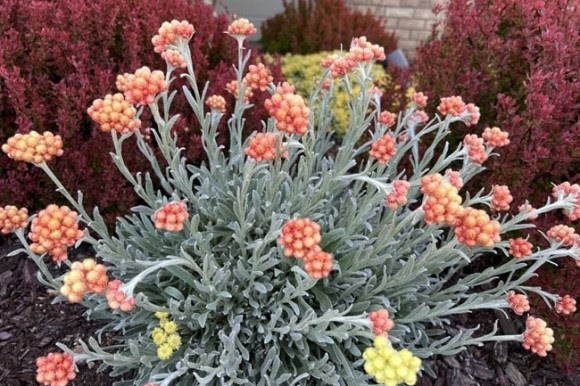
<point>410,19</point>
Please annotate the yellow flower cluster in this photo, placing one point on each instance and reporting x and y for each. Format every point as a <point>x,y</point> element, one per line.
<point>165,336</point>
<point>301,70</point>
<point>389,366</point>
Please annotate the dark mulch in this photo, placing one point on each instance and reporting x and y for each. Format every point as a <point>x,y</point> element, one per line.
<point>30,326</point>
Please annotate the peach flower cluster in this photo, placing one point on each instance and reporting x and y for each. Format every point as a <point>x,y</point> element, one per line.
<point>570,190</point>
<point>83,278</point>
<point>262,147</point>
<point>54,230</point>
<point>454,178</point>
<point>418,117</point>
<point>361,51</point>
<point>118,299</point>
<point>420,99</point>
<point>518,303</point>
<point>55,369</point>
<point>538,337</point>
<point>241,27</point>
<point>171,216</point>
<point>383,149</point>
<point>443,203</point>
<point>141,87</point>
<point>399,195</point>
<point>114,113</point>
<point>258,77</point>
<point>564,234</point>
<point>527,208</point>
<point>33,147</point>
<point>169,33</point>
<point>318,263</point>
<point>299,237</point>
<point>520,248</point>
<point>475,227</point>
<point>476,148</point>
<point>381,321</point>
<point>216,103</point>
<point>496,137</point>
<point>234,88</point>
<point>501,198</point>
<point>387,118</point>
<point>289,109</point>
<point>12,218</point>
<point>174,58</point>
<point>566,305</point>
<point>455,106</point>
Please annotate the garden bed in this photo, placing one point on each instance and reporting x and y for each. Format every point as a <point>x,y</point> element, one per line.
<point>30,326</point>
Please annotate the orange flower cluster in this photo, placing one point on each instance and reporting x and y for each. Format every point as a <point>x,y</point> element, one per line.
<point>262,147</point>
<point>564,234</point>
<point>501,198</point>
<point>475,227</point>
<point>454,178</point>
<point>169,33</point>
<point>289,109</point>
<point>361,51</point>
<point>443,204</point>
<point>566,305</point>
<point>171,216</point>
<point>54,230</point>
<point>318,263</point>
<point>496,137</point>
<point>520,248</point>
<point>175,59</point>
<point>33,147</point>
<point>383,149</point>
<point>452,105</point>
<point>12,218</point>
<point>569,190</point>
<point>241,27</point>
<point>472,114</point>
<point>83,278</point>
<point>55,369</point>
<point>420,99</point>
<point>299,237</point>
<point>387,118</point>
<point>519,303</point>
<point>418,117</point>
<point>258,77</point>
<point>527,208</point>
<point>538,337</point>
<point>114,113</point>
<point>381,321</point>
<point>399,195</point>
<point>217,103</point>
<point>118,299</point>
<point>234,89</point>
<point>476,148</point>
<point>141,87</point>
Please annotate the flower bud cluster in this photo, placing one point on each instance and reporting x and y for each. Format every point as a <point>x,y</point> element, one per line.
<point>454,178</point>
<point>117,298</point>
<point>289,109</point>
<point>476,148</point>
<point>263,147</point>
<point>55,369</point>
<point>83,278</point>
<point>384,148</point>
<point>361,51</point>
<point>496,137</point>
<point>566,305</point>
<point>455,106</point>
<point>389,366</point>
<point>114,113</point>
<point>171,216</point>
<point>475,227</point>
<point>141,87</point>
<point>33,147</point>
<point>564,234</point>
<point>53,230</point>
<point>569,190</point>
<point>501,198</point>
<point>258,77</point>
<point>538,337</point>
<point>387,118</point>
<point>399,195</point>
<point>381,321</point>
<point>216,103</point>
<point>165,337</point>
<point>443,202</point>
<point>234,88</point>
<point>518,303</point>
<point>241,27</point>
<point>169,34</point>
<point>12,218</point>
<point>520,248</point>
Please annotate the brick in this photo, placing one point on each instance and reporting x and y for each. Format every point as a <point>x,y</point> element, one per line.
<point>403,34</point>
<point>400,13</point>
<point>410,24</point>
<point>411,3</point>
<point>420,35</point>
<point>424,14</point>
<point>408,44</point>
<point>387,3</point>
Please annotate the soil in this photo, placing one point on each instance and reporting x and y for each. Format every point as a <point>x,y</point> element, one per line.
<point>30,326</point>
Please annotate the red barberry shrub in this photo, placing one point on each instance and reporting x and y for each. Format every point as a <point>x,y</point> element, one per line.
<point>308,26</point>
<point>517,61</point>
<point>56,57</point>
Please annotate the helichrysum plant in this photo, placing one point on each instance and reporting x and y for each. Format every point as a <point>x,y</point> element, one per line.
<point>286,259</point>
